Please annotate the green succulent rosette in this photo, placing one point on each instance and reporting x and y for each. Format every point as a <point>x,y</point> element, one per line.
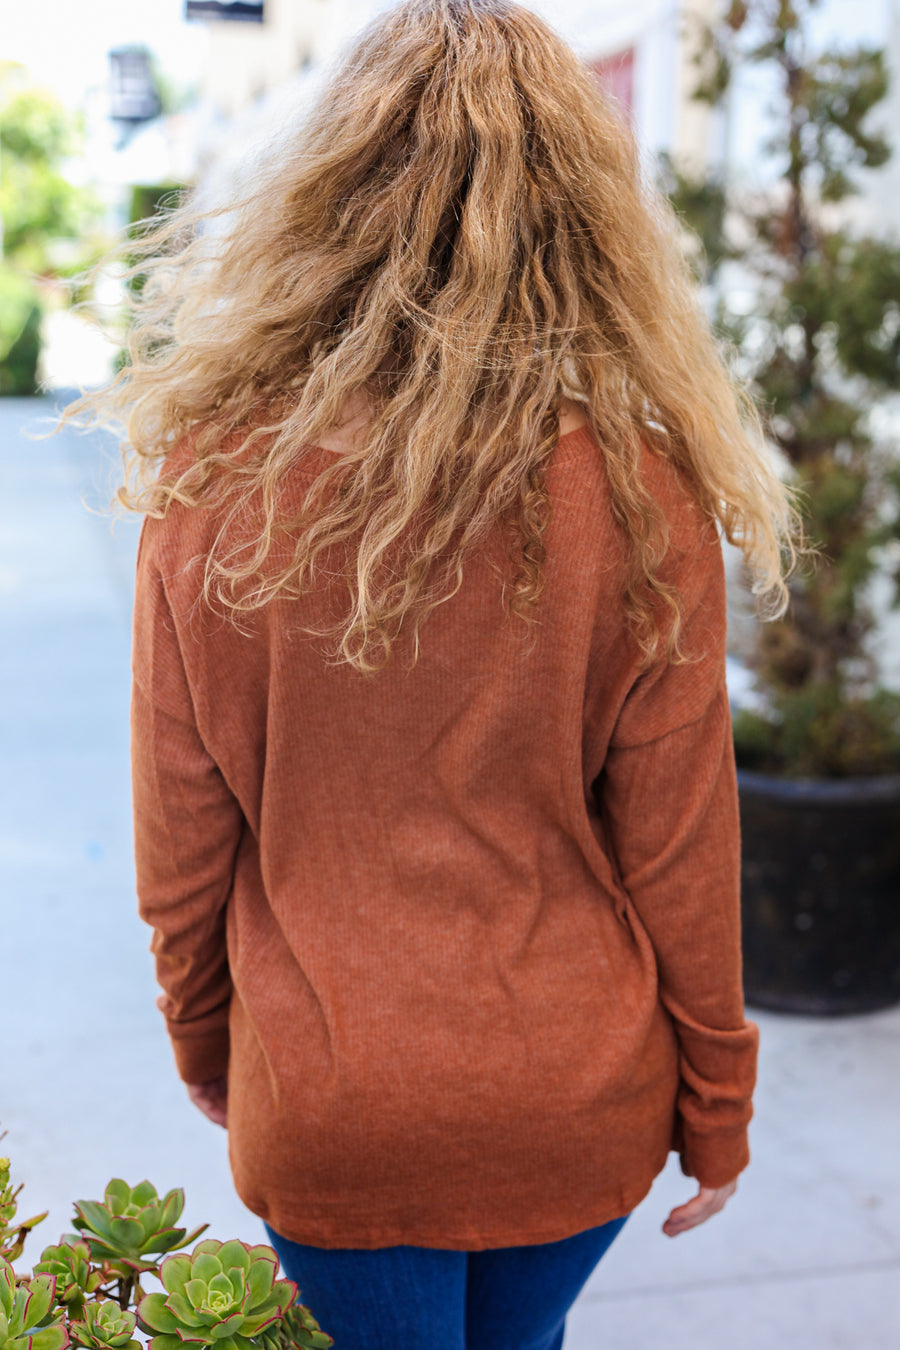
<point>297,1328</point>
<point>132,1225</point>
<point>105,1326</point>
<point>28,1318</point>
<point>70,1264</point>
<point>224,1294</point>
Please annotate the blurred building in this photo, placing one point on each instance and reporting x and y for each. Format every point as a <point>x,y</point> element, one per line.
<point>245,60</point>
<point>642,51</point>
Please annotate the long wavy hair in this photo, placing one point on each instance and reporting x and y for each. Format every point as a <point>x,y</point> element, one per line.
<point>457,238</point>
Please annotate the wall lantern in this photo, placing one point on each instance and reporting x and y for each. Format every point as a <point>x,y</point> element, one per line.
<point>132,88</point>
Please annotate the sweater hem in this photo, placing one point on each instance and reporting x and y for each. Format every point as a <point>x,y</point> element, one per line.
<point>332,1236</point>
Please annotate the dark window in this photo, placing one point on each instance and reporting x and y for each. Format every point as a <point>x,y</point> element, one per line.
<point>241,11</point>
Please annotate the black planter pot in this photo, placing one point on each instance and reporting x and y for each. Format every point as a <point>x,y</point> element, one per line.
<point>820,893</point>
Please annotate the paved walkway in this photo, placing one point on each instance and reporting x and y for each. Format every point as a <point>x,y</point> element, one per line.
<point>806,1257</point>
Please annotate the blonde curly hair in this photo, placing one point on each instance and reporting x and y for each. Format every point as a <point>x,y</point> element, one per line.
<point>459,236</point>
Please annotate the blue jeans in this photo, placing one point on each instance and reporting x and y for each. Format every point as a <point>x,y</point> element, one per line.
<point>424,1298</point>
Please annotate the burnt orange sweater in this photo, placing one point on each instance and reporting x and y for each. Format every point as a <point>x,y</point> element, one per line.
<point>464,935</point>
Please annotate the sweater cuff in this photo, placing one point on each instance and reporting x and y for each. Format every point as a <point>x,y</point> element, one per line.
<point>200,1054</point>
<point>714,1159</point>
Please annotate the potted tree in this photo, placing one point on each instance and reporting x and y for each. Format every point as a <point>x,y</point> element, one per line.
<point>819,755</point>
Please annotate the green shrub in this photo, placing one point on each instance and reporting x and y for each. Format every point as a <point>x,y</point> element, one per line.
<point>20,332</point>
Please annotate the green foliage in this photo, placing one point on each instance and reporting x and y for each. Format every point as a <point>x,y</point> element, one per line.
<point>86,1291</point>
<point>70,1265</point>
<point>38,203</point>
<point>223,1294</point>
<point>151,199</point>
<point>701,203</point>
<point>297,1327</point>
<point>105,1326</point>
<point>864,284</point>
<point>12,1233</point>
<point>133,1224</point>
<point>820,732</point>
<point>28,1319</point>
<point>38,206</point>
<point>36,128</point>
<point>822,346</point>
<point>20,332</point>
<point>841,91</point>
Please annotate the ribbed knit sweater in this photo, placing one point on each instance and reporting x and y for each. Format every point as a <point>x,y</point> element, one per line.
<point>464,934</point>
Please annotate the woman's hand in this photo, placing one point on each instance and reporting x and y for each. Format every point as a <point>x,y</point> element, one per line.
<point>212,1099</point>
<point>704,1205</point>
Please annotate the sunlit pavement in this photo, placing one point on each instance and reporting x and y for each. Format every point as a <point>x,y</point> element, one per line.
<point>806,1256</point>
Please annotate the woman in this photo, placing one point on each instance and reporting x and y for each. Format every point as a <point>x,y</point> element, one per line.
<point>435,804</point>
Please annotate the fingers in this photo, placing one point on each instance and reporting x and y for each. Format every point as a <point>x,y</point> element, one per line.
<point>216,1111</point>
<point>707,1202</point>
<point>211,1099</point>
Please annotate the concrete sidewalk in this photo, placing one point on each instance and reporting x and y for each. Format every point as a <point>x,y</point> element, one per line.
<point>807,1255</point>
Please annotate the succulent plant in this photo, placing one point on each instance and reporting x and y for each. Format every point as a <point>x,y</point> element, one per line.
<point>7,1195</point>
<point>28,1319</point>
<point>223,1294</point>
<point>132,1225</point>
<point>105,1326</point>
<point>298,1328</point>
<point>12,1235</point>
<point>70,1264</point>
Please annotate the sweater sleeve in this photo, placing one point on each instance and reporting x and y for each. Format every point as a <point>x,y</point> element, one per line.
<point>187,826</point>
<point>669,799</point>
